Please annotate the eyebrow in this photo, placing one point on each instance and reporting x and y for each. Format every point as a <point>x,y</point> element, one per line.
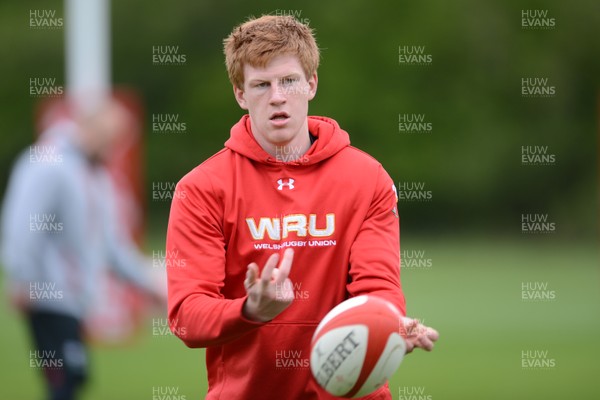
<point>292,75</point>
<point>256,80</point>
<point>260,80</point>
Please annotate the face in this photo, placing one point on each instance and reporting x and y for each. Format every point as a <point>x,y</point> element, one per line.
<point>101,131</point>
<point>276,98</point>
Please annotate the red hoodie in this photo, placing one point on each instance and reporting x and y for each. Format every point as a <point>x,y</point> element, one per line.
<point>336,206</point>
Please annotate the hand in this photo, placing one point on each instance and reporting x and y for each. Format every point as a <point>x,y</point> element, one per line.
<point>273,292</point>
<point>156,286</point>
<point>158,296</point>
<point>19,297</point>
<point>416,334</point>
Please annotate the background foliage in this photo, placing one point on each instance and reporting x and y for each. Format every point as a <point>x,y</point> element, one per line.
<point>470,93</point>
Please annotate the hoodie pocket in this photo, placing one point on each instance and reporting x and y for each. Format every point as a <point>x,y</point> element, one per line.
<point>269,362</point>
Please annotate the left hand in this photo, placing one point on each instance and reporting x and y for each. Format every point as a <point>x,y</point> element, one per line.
<point>416,335</point>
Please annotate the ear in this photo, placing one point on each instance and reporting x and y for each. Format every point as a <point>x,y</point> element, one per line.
<point>240,97</point>
<point>312,86</point>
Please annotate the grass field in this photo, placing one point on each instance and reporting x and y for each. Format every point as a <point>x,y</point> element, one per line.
<point>471,292</point>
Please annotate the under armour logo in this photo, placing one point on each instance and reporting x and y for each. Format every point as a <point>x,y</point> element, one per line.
<point>282,183</point>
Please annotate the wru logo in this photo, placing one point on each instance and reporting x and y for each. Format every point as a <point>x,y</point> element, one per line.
<point>303,225</point>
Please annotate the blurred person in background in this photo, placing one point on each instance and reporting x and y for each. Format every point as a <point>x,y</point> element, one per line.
<point>60,231</point>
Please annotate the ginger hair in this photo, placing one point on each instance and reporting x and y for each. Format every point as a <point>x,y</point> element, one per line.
<point>257,41</point>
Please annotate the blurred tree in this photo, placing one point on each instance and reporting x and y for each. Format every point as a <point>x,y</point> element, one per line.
<point>470,93</point>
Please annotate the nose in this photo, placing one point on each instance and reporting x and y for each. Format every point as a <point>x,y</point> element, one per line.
<point>277,95</point>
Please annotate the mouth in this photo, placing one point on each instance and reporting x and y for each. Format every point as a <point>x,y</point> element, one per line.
<point>279,118</point>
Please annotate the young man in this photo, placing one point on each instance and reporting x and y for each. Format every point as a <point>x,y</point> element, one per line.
<point>289,194</point>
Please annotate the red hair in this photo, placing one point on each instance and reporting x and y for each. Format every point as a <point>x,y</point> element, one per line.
<point>258,40</point>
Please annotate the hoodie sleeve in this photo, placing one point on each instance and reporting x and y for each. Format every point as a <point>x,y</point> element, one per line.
<point>33,190</point>
<point>195,259</point>
<point>375,253</point>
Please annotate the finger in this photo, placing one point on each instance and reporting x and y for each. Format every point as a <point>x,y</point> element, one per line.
<point>432,334</point>
<point>251,274</point>
<point>285,265</point>
<point>425,343</point>
<point>425,331</point>
<point>265,276</point>
<point>274,274</point>
<point>418,329</point>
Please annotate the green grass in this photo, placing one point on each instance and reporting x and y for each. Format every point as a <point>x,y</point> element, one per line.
<point>471,294</point>
<point>120,372</point>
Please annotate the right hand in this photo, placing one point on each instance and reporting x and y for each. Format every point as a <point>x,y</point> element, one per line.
<point>273,292</point>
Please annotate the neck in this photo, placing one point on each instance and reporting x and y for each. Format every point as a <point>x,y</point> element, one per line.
<point>288,151</point>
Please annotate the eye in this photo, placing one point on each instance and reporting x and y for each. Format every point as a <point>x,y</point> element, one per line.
<point>262,85</point>
<point>289,81</point>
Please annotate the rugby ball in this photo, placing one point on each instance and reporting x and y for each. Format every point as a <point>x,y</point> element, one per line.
<point>357,347</point>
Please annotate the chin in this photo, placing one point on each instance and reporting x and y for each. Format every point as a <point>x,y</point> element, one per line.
<point>279,137</point>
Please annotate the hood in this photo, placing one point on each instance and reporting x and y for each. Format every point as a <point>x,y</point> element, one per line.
<point>330,140</point>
